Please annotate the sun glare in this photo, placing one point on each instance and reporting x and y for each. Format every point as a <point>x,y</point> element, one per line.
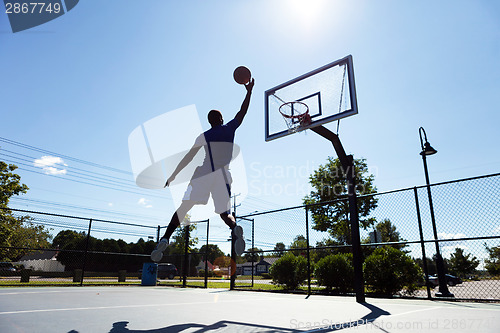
<point>306,12</point>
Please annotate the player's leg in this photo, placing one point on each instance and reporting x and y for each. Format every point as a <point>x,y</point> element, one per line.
<point>228,219</point>
<point>179,215</point>
<point>236,232</point>
<point>221,194</point>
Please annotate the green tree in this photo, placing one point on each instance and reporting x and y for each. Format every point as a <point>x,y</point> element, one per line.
<point>179,239</point>
<point>10,184</point>
<point>65,237</point>
<point>300,244</point>
<point>17,231</point>
<point>330,185</point>
<point>492,264</point>
<point>279,248</point>
<point>461,264</point>
<point>388,233</point>
<point>255,256</point>
<point>213,252</point>
<point>178,249</point>
<point>431,265</point>
<point>72,244</point>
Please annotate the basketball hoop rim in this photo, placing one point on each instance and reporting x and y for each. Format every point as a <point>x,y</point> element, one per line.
<point>294,116</point>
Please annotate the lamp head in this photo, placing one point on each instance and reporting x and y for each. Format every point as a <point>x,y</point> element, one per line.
<point>428,150</point>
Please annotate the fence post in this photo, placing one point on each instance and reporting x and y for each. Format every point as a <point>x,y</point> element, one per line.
<point>25,275</point>
<point>206,256</point>
<point>186,263</point>
<point>253,247</point>
<point>85,253</point>
<point>308,253</point>
<point>359,283</point>
<point>422,244</point>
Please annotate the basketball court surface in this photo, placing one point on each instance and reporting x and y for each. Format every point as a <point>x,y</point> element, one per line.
<point>168,309</point>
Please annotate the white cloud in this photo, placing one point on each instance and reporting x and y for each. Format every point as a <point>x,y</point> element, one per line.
<point>451,248</point>
<point>51,165</point>
<point>447,248</point>
<point>444,235</point>
<point>144,202</point>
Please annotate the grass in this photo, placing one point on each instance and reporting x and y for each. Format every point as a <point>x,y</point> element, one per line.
<point>64,283</point>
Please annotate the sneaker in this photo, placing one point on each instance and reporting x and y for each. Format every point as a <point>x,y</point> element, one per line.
<point>239,242</point>
<point>157,253</point>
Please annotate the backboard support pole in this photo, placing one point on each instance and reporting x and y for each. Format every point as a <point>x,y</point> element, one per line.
<point>347,162</point>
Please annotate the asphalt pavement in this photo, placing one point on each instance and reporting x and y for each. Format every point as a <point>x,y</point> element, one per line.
<point>169,309</point>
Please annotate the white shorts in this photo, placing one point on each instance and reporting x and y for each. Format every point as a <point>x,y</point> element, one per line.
<point>217,183</point>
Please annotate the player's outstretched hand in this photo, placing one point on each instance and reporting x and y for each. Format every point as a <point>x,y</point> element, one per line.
<point>169,181</point>
<point>249,85</point>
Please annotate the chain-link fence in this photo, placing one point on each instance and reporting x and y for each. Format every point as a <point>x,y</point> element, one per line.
<point>52,249</point>
<point>298,249</point>
<point>467,232</point>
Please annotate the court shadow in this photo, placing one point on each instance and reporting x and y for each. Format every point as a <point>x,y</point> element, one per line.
<point>230,326</point>
<point>233,326</point>
<point>375,313</point>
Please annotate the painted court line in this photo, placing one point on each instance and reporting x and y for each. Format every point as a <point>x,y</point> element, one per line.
<point>42,292</point>
<point>351,324</point>
<point>120,306</point>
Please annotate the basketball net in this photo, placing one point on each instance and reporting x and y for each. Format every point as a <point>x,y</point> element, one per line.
<point>295,114</point>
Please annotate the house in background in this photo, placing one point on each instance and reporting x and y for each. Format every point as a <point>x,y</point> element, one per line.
<point>201,265</point>
<point>245,268</point>
<point>45,261</point>
<point>258,267</point>
<point>264,264</point>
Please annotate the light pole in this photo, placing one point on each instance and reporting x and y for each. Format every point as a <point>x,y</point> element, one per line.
<point>427,150</point>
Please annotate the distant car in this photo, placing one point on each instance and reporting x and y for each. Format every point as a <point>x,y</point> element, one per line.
<point>166,271</point>
<point>451,280</point>
<point>7,267</point>
<point>433,281</point>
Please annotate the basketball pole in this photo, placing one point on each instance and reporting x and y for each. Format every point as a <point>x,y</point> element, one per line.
<point>347,162</point>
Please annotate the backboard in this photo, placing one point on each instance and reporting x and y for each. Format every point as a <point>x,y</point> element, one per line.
<point>328,91</point>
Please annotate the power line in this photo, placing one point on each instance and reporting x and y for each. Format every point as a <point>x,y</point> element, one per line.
<point>81,208</point>
<point>82,177</point>
<point>71,174</point>
<point>87,183</point>
<point>128,181</point>
<point>22,145</point>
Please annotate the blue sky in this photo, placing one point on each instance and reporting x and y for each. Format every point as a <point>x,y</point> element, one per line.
<point>78,86</point>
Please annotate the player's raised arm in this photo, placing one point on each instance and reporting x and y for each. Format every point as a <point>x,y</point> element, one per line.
<point>246,102</point>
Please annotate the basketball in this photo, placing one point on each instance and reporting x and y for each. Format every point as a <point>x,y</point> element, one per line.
<point>242,75</point>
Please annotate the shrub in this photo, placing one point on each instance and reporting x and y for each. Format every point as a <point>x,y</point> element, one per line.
<point>289,271</point>
<point>201,273</point>
<point>335,271</point>
<point>388,270</point>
